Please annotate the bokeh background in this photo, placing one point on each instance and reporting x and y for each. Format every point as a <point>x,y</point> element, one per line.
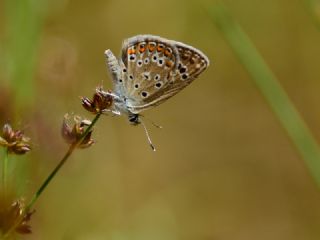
<point>224,167</point>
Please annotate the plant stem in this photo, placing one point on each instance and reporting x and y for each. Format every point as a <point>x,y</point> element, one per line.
<point>51,176</point>
<point>5,172</point>
<point>60,164</point>
<point>278,100</point>
<point>312,7</point>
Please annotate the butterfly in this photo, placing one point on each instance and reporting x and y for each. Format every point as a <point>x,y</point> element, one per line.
<point>151,70</point>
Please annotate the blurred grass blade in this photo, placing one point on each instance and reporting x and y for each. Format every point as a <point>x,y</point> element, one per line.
<point>24,20</point>
<point>270,88</point>
<point>313,8</point>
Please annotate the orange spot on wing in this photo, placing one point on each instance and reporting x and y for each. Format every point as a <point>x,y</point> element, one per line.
<point>142,48</point>
<point>169,64</point>
<point>131,51</point>
<point>167,53</point>
<point>151,47</point>
<point>160,48</point>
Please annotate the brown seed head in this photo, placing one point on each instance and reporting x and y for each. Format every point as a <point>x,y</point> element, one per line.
<point>72,134</point>
<point>13,216</point>
<point>99,103</point>
<point>15,141</point>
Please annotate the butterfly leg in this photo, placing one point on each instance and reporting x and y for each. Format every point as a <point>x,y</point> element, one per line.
<point>113,111</point>
<point>109,93</point>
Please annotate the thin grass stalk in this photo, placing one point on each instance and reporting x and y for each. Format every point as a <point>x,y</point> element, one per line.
<point>61,163</point>
<point>5,172</point>
<point>313,9</point>
<point>269,86</point>
<point>23,25</point>
<point>45,184</point>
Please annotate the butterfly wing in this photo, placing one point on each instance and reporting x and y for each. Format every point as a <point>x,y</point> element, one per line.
<point>156,69</point>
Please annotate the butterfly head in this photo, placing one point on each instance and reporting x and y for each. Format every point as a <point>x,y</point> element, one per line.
<point>134,119</point>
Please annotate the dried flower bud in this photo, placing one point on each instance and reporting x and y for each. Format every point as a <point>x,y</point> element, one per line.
<point>13,216</point>
<point>15,141</point>
<point>99,103</point>
<point>73,134</point>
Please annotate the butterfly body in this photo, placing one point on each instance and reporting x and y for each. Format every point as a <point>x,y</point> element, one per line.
<point>150,70</point>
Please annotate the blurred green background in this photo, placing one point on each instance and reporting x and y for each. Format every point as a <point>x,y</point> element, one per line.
<point>225,167</point>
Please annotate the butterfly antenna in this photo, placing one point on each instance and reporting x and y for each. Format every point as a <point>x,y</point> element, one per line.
<point>148,136</point>
<point>152,122</point>
<point>156,125</point>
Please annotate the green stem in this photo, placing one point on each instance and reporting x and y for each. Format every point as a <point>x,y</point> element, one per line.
<point>5,172</point>
<point>52,175</point>
<point>278,100</point>
<point>312,7</point>
<point>61,163</point>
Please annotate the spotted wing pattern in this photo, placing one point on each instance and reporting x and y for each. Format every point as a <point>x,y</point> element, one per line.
<point>154,69</point>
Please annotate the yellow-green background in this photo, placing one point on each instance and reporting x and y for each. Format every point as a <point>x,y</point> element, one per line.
<point>224,167</point>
